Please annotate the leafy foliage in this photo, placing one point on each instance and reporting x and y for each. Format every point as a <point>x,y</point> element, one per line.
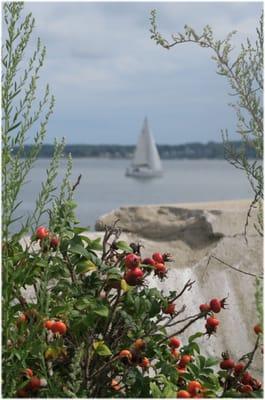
<point>244,74</point>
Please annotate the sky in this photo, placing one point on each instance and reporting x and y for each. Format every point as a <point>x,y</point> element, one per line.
<point>107,74</point>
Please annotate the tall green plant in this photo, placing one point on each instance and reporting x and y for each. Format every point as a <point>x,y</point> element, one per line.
<point>23,111</point>
<point>244,73</point>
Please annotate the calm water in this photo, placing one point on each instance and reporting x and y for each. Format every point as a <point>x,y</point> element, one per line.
<point>104,186</point>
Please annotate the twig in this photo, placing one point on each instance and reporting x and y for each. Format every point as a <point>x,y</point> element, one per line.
<point>104,366</point>
<point>234,268</point>
<point>252,205</point>
<point>250,358</point>
<point>77,182</point>
<point>182,329</point>
<point>182,320</point>
<point>187,286</point>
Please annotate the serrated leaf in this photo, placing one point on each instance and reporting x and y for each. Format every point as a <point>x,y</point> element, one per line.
<point>121,245</point>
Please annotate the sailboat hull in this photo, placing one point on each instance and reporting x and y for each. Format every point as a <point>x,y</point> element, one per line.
<point>143,173</point>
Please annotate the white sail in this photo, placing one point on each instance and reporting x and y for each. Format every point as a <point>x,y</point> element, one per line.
<point>146,161</point>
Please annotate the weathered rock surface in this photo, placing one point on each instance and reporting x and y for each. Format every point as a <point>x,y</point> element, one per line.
<point>192,233</point>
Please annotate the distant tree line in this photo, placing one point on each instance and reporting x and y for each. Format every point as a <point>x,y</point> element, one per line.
<point>210,150</point>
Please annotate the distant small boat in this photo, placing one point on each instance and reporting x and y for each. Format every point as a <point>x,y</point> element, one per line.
<point>146,161</point>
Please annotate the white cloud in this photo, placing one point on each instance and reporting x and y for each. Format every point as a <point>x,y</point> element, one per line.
<point>100,56</point>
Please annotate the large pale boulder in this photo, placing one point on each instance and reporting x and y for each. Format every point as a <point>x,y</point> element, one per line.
<point>192,233</point>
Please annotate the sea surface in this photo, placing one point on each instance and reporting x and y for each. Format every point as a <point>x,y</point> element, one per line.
<point>104,186</point>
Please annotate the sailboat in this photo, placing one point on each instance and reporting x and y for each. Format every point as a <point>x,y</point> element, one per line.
<point>146,161</point>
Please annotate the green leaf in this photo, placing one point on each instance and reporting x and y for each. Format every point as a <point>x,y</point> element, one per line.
<point>85,266</point>
<point>211,361</point>
<point>101,348</point>
<point>155,309</point>
<point>202,361</point>
<point>169,392</point>
<point>121,245</point>
<point>156,392</point>
<point>101,310</point>
<point>78,249</point>
<point>79,229</point>
<point>195,336</point>
<point>194,369</point>
<point>92,244</point>
<point>124,285</point>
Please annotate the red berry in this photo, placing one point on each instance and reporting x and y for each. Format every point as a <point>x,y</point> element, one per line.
<point>175,353</point>
<point>33,384</point>
<point>160,270</point>
<point>59,327</point>
<point>215,305</point>
<point>205,307</point>
<point>257,329</point>
<point>181,370</point>
<point>55,241</point>
<point>134,276</point>
<point>183,394</point>
<point>245,389</point>
<point>132,261</point>
<point>227,364</point>
<point>28,372</point>
<point>125,354</point>
<point>212,322</point>
<point>145,363</point>
<point>170,309</point>
<point>246,378</point>
<point>48,324</point>
<point>194,387</point>
<point>22,319</point>
<point>42,232</point>
<point>149,261</point>
<point>185,359</point>
<point>115,385</point>
<point>158,257</point>
<point>139,344</point>
<point>174,342</point>
<point>238,368</point>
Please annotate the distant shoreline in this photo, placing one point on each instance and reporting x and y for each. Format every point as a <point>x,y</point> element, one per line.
<point>188,151</point>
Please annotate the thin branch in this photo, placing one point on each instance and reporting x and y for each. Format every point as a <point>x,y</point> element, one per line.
<point>77,182</point>
<point>234,268</point>
<point>187,286</point>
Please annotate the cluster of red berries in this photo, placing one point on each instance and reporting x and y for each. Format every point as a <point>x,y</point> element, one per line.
<point>43,233</point>
<point>215,306</point>
<point>56,326</point>
<point>245,382</point>
<point>135,355</point>
<point>33,383</point>
<point>134,273</point>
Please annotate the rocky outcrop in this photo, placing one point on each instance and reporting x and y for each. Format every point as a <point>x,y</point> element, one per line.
<point>192,233</point>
